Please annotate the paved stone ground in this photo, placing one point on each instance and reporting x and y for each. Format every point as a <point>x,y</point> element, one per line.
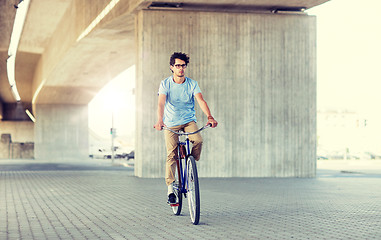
<point>70,201</point>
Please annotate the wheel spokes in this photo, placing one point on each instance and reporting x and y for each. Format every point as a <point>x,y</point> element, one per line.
<point>191,192</point>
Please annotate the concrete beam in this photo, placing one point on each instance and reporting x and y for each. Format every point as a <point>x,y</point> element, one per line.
<point>72,71</point>
<point>218,4</point>
<point>65,20</point>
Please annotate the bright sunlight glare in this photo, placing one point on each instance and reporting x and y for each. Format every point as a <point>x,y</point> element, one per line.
<point>116,98</point>
<point>348,82</point>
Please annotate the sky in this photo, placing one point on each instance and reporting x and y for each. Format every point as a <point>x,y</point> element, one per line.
<point>348,52</point>
<point>348,63</point>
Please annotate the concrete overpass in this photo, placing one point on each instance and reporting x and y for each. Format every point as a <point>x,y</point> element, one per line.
<point>254,61</point>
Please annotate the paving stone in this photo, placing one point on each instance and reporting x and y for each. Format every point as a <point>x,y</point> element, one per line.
<point>46,202</point>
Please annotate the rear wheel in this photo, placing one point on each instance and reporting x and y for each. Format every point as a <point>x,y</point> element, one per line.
<point>193,190</point>
<point>176,208</point>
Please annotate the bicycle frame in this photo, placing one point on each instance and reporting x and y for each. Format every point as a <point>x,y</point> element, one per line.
<point>187,177</point>
<point>182,170</point>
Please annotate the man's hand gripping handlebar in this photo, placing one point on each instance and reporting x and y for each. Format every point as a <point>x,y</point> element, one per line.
<point>208,125</point>
<point>159,125</point>
<point>188,133</point>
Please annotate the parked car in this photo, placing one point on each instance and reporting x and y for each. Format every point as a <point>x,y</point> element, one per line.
<point>101,153</point>
<point>369,156</point>
<point>131,155</point>
<point>118,153</point>
<point>321,158</point>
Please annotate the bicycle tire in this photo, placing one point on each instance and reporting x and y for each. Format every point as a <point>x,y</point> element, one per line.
<point>193,192</point>
<point>177,191</point>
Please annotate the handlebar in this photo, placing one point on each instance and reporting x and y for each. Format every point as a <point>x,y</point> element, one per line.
<point>188,133</point>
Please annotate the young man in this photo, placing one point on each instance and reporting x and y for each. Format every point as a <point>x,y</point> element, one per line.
<point>176,111</point>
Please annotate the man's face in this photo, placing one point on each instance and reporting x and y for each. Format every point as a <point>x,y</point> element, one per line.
<point>179,67</point>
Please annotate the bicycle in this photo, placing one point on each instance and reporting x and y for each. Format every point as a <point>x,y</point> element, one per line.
<point>186,177</point>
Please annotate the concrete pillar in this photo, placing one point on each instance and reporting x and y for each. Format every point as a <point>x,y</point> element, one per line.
<point>61,132</point>
<point>5,145</point>
<point>258,74</point>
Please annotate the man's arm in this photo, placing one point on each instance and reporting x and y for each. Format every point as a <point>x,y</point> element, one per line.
<point>160,112</point>
<point>205,108</point>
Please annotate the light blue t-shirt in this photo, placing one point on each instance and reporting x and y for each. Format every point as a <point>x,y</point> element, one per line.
<point>179,106</point>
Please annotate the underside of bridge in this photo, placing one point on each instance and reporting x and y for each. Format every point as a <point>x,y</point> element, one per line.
<point>70,49</point>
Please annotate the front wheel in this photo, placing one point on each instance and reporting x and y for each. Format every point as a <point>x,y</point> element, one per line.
<point>193,190</point>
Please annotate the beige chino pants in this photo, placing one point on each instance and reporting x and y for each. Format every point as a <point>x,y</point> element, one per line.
<point>171,140</point>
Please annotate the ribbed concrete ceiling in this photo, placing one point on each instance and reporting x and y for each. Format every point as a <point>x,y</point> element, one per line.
<point>62,70</point>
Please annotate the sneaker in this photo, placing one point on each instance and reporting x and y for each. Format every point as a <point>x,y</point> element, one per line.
<point>171,198</point>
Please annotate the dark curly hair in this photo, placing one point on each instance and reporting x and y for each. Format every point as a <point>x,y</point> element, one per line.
<point>178,55</point>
